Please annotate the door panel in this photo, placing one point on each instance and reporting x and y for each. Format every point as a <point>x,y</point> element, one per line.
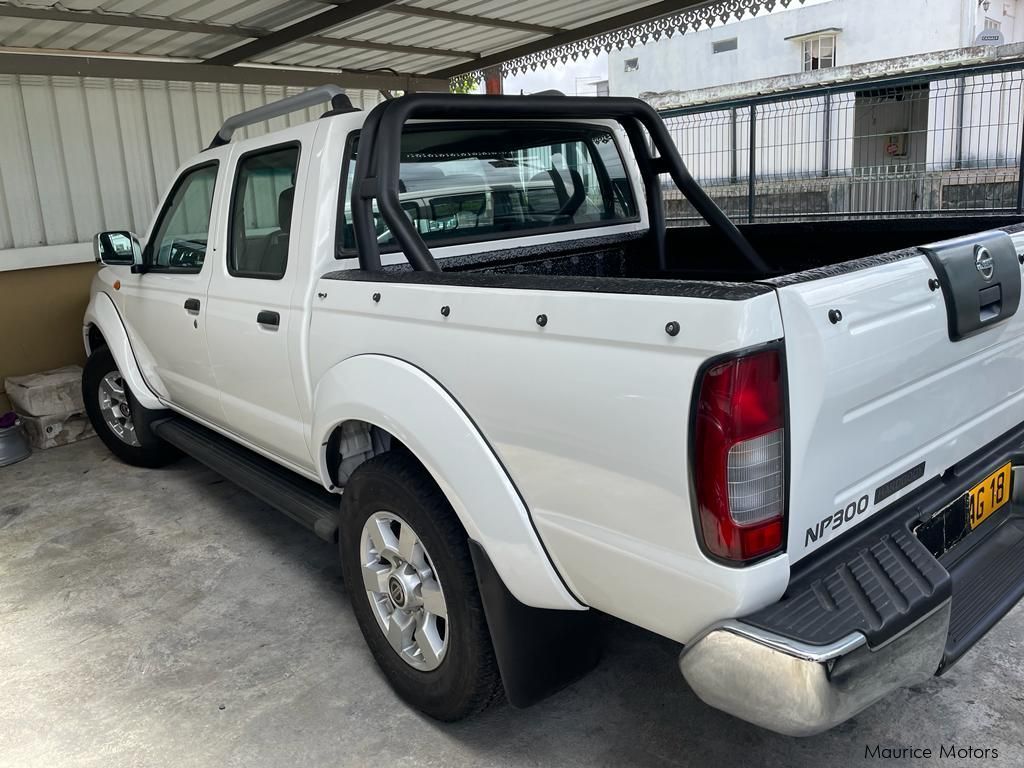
<point>165,306</point>
<point>250,314</point>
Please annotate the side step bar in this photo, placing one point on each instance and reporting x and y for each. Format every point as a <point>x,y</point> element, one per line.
<point>300,499</point>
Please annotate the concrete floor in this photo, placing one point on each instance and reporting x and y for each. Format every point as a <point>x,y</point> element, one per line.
<point>165,618</point>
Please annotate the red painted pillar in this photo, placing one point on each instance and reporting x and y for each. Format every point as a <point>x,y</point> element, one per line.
<point>493,81</point>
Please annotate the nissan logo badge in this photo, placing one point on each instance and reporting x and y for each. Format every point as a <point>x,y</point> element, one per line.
<point>983,261</point>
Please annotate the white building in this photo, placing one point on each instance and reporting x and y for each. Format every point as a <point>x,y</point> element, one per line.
<point>943,141</point>
<point>805,37</point>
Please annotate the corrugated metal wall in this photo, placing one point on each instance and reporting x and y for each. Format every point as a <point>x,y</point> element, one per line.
<point>82,155</point>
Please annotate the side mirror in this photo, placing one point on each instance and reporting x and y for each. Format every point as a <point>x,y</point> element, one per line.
<point>117,249</point>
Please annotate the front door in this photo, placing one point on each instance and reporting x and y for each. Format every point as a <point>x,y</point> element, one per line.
<point>165,306</point>
<point>253,325</point>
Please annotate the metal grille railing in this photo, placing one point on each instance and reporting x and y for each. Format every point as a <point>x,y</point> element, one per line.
<point>925,145</point>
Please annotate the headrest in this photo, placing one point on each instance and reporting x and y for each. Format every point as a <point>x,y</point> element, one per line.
<point>284,209</point>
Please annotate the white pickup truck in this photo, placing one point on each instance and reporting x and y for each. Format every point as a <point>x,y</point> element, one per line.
<point>455,336</point>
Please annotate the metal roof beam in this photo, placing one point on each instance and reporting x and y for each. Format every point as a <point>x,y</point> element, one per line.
<point>199,28</point>
<point>332,17</point>
<point>463,18</point>
<point>564,37</point>
<point>124,20</point>
<point>344,42</point>
<point>126,67</point>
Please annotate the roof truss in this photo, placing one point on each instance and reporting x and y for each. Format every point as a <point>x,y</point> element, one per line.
<point>521,43</point>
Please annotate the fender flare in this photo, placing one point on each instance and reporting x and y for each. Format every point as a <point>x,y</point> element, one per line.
<point>102,313</point>
<point>403,400</point>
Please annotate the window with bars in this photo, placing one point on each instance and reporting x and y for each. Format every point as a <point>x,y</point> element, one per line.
<point>819,52</point>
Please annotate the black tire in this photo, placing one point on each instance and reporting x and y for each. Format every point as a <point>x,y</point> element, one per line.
<point>151,451</point>
<point>467,680</point>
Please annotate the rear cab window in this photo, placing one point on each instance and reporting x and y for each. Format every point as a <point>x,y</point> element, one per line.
<point>261,212</point>
<point>481,182</point>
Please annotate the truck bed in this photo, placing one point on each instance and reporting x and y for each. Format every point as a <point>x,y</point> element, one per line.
<point>625,264</point>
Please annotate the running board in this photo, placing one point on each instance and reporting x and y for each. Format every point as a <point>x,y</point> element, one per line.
<point>300,499</point>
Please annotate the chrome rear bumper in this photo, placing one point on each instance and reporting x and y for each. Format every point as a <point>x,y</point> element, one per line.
<point>799,690</point>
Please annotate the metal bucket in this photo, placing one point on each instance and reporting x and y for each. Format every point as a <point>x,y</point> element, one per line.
<point>13,444</point>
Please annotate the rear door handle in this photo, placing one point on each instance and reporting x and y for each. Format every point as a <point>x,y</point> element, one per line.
<point>192,305</point>
<point>266,317</point>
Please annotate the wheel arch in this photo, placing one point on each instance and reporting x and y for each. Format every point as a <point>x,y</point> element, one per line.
<point>406,404</point>
<point>103,322</point>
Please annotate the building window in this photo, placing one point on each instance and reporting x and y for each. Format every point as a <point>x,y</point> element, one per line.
<point>819,52</point>
<point>992,24</point>
<point>632,65</point>
<point>601,88</point>
<point>722,46</point>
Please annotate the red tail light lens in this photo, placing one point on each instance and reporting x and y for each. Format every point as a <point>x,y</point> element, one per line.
<point>739,456</point>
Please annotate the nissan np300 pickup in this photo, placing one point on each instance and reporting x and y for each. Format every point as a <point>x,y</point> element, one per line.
<point>455,336</point>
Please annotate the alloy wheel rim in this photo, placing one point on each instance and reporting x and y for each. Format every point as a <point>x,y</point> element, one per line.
<point>404,592</point>
<point>116,410</point>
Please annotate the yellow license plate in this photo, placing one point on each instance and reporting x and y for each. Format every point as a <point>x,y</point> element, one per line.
<point>989,495</point>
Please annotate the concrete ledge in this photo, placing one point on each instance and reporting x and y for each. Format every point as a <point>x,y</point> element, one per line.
<point>45,256</point>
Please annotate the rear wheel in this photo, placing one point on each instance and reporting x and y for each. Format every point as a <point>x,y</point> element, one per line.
<point>120,422</point>
<point>410,577</point>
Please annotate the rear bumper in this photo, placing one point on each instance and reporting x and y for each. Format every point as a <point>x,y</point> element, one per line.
<point>800,690</point>
<point>877,612</point>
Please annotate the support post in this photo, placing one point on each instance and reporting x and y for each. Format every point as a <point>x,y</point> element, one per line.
<point>1020,178</point>
<point>733,163</point>
<point>961,93</point>
<point>493,81</point>
<point>1020,175</point>
<point>752,171</point>
<point>826,154</point>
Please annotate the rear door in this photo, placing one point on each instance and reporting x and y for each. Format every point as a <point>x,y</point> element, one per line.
<point>253,323</point>
<point>893,379</point>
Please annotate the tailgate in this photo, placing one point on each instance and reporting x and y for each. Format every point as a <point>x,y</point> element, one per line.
<point>912,377</point>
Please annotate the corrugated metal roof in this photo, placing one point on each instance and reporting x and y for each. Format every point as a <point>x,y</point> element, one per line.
<point>420,37</point>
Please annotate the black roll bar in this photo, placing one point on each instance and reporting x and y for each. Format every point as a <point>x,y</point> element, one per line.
<point>379,159</point>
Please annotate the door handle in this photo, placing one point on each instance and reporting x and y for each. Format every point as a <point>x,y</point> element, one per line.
<point>266,317</point>
<point>192,305</point>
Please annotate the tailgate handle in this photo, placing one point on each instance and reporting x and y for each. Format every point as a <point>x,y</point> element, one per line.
<point>980,279</point>
<point>991,300</point>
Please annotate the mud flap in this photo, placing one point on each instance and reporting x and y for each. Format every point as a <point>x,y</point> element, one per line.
<point>539,650</point>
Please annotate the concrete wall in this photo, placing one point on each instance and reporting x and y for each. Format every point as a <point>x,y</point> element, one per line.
<point>41,319</point>
<point>871,30</point>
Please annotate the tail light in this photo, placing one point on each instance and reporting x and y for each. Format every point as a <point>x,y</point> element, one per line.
<point>740,457</point>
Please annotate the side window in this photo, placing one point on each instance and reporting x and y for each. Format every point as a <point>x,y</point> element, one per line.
<point>261,213</point>
<point>179,239</point>
<point>482,182</point>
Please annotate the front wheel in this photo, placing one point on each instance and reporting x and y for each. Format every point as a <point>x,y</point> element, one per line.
<point>120,422</point>
<point>409,574</point>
